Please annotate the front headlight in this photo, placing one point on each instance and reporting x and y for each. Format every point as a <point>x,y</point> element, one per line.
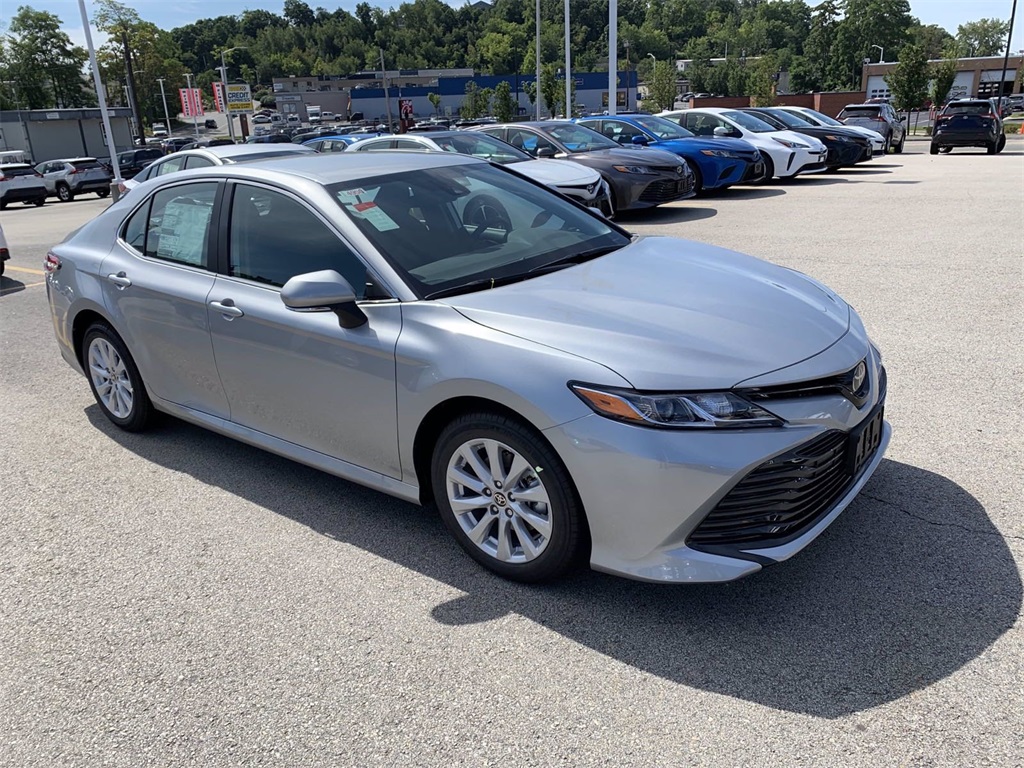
<point>683,410</point>
<point>718,153</point>
<point>790,144</point>
<point>836,137</point>
<point>632,169</point>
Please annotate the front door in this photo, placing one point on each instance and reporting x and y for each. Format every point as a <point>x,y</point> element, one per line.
<point>300,376</point>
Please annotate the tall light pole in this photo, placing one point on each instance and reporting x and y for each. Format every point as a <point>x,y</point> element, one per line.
<point>163,95</point>
<point>613,55</point>
<point>101,96</point>
<point>1006,57</point>
<point>881,53</point>
<point>195,120</point>
<point>384,80</point>
<point>536,84</point>
<point>224,86</point>
<point>568,67</point>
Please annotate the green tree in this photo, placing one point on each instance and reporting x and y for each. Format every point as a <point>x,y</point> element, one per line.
<point>471,103</point>
<point>984,37</point>
<point>550,88</point>
<point>763,82</point>
<point>505,107</point>
<point>943,76</point>
<point>483,101</point>
<point>435,100</point>
<point>932,38</point>
<point>908,80</point>
<point>41,63</point>
<point>662,86</point>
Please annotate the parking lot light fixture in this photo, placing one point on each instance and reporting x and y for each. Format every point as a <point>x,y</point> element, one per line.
<point>881,53</point>
<point>224,86</point>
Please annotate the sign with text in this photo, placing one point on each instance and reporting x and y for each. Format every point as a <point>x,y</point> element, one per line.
<point>239,99</point>
<point>191,102</point>
<point>218,96</point>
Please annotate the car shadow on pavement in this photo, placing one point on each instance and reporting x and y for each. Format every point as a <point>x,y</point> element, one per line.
<point>747,193</point>
<point>9,285</point>
<point>669,215</point>
<point>908,586</point>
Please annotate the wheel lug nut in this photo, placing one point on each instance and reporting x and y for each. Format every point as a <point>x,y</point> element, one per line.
<point>494,510</point>
<point>508,512</point>
<point>497,484</point>
<point>487,491</point>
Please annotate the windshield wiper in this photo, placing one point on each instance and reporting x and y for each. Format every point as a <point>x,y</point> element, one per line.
<point>576,258</point>
<point>476,285</point>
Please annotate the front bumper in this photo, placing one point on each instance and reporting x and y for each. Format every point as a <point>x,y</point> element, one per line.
<point>637,191</point>
<point>648,491</point>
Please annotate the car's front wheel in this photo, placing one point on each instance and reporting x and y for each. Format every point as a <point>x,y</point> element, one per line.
<point>507,498</point>
<point>114,379</point>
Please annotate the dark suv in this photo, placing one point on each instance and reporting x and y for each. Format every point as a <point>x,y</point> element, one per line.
<point>134,160</point>
<point>968,123</point>
<point>878,117</point>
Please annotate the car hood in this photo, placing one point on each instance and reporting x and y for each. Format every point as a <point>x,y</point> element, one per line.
<point>556,172</point>
<point>669,314</point>
<point>698,143</point>
<point>630,156</point>
<point>866,132</point>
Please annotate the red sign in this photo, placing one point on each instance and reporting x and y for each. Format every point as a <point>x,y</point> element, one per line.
<point>191,102</point>
<point>405,109</point>
<point>218,96</point>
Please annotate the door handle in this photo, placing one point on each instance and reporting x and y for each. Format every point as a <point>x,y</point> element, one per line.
<point>227,308</point>
<point>120,280</point>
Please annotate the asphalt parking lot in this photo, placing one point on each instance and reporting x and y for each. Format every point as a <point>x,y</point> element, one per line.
<point>176,598</point>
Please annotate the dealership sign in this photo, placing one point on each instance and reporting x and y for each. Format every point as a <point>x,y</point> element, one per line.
<point>239,99</point>
<point>191,102</point>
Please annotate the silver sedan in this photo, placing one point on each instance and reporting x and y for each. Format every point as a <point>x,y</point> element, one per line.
<point>560,390</point>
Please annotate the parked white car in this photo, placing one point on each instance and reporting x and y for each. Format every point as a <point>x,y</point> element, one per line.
<point>820,118</point>
<point>20,183</point>
<point>582,184</point>
<point>4,253</point>
<point>785,153</point>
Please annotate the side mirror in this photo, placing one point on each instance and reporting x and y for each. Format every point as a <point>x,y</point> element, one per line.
<point>640,141</point>
<point>546,152</point>
<point>323,291</point>
<point>722,131</point>
<point>903,118</point>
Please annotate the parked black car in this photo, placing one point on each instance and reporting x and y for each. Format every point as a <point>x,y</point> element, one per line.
<point>845,147</point>
<point>133,161</point>
<point>639,177</point>
<point>968,123</point>
<point>176,143</point>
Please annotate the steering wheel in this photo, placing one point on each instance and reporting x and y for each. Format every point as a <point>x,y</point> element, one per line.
<point>486,212</point>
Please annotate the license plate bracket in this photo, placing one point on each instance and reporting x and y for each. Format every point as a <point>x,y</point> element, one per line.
<point>864,440</point>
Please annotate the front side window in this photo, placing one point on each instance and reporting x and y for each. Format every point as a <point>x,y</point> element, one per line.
<point>443,228</point>
<point>662,128</point>
<point>576,138</point>
<point>529,142</point>
<point>620,132</point>
<point>273,238</point>
<point>481,145</point>
<point>179,224</point>
<point>749,122</point>
<point>704,125</point>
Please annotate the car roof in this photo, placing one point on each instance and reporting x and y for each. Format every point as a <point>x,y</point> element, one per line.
<point>338,168</point>
<point>871,106</point>
<point>15,165</point>
<point>73,160</point>
<point>229,151</point>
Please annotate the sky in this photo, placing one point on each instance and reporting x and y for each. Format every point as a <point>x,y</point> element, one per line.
<point>946,13</point>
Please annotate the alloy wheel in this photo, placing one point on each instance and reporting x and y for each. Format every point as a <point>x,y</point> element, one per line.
<point>110,377</point>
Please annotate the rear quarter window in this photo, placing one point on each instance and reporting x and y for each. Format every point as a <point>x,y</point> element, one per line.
<point>85,165</point>
<point>860,112</point>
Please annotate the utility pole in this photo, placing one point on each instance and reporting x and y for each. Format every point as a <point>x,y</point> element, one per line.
<point>536,84</point>
<point>195,120</point>
<point>131,85</point>
<point>224,85</point>
<point>613,55</point>
<point>384,79</point>
<point>568,67</point>
<point>167,116</point>
<point>1006,58</point>
<point>101,96</point>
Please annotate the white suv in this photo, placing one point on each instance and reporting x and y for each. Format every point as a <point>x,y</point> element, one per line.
<point>19,183</point>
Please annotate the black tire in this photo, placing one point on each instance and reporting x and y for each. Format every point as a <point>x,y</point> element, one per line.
<point>769,171</point>
<point>1001,144</point>
<point>945,150</point>
<point>933,149</point>
<point>698,180</point>
<point>39,203</point>
<point>101,193</point>
<point>64,193</point>
<point>564,513</point>
<point>898,149</point>
<point>141,413</point>
<point>3,204</point>
<point>1,267</point>
<point>990,147</point>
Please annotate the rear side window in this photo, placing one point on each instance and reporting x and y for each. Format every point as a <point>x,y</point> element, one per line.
<point>197,161</point>
<point>177,224</point>
<point>868,112</point>
<point>10,171</point>
<point>169,166</point>
<point>970,108</point>
<point>85,165</point>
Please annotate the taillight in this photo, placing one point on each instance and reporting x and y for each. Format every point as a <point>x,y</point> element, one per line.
<point>52,263</point>
<point>121,187</point>
<point>2,177</point>
<point>37,174</point>
<point>73,172</point>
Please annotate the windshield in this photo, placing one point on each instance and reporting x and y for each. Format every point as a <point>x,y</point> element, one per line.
<point>823,118</point>
<point>749,122</point>
<point>448,228</point>
<point>969,108</point>
<point>662,128</point>
<point>576,138</point>
<point>481,145</point>
<point>788,119</point>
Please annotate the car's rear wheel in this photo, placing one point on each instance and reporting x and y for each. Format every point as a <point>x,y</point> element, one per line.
<point>64,193</point>
<point>507,498</point>
<point>898,149</point>
<point>102,192</point>
<point>945,150</point>
<point>39,202</point>
<point>933,149</point>
<point>115,380</point>
<point>1001,144</point>
<point>990,147</point>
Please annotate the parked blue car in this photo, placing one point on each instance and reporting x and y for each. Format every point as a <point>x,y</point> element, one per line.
<point>716,163</point>
<point>337,143</point>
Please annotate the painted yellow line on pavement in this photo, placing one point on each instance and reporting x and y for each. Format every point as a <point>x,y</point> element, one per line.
<point>25,269</point>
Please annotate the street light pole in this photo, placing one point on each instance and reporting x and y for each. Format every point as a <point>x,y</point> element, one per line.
<point>101,96</point>
<point>613,55</point>
<point>195,121</point>
<point>568,67</point>
<point>536,84</point>
<point>384,80</point>
<point>163,95</point>
<point>881,53</point>
<point>224,87</point>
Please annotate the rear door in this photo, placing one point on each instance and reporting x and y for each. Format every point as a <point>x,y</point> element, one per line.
<point>156,281</point>
<point>90,173</point>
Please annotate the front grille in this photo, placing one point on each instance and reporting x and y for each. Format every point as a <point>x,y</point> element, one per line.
<point>781,498</point>
<point>839,384</point>
<point>664,190</point>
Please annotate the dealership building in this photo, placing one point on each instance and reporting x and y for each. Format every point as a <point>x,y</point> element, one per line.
<point>977,77</point>
<point>49,134</point>
<point>363,92</point>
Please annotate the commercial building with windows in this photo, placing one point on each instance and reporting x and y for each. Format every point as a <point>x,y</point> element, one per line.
<point>977,77</point>
<point>49,134</point>
<point>363,92</point>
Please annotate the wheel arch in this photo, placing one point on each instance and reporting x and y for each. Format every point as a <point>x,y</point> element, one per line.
<point>83,319</point>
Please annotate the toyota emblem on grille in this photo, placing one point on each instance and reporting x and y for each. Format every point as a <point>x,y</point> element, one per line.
<point>859,374</point>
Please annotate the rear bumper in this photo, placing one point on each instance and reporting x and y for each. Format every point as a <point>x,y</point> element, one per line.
<point>93,185</point>
<point>964,138</point>
<point>22,194</point>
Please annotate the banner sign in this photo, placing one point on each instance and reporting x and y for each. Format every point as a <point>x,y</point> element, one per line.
<point>191,102</point>
<point>239,99</point>
<point>218,96</point>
